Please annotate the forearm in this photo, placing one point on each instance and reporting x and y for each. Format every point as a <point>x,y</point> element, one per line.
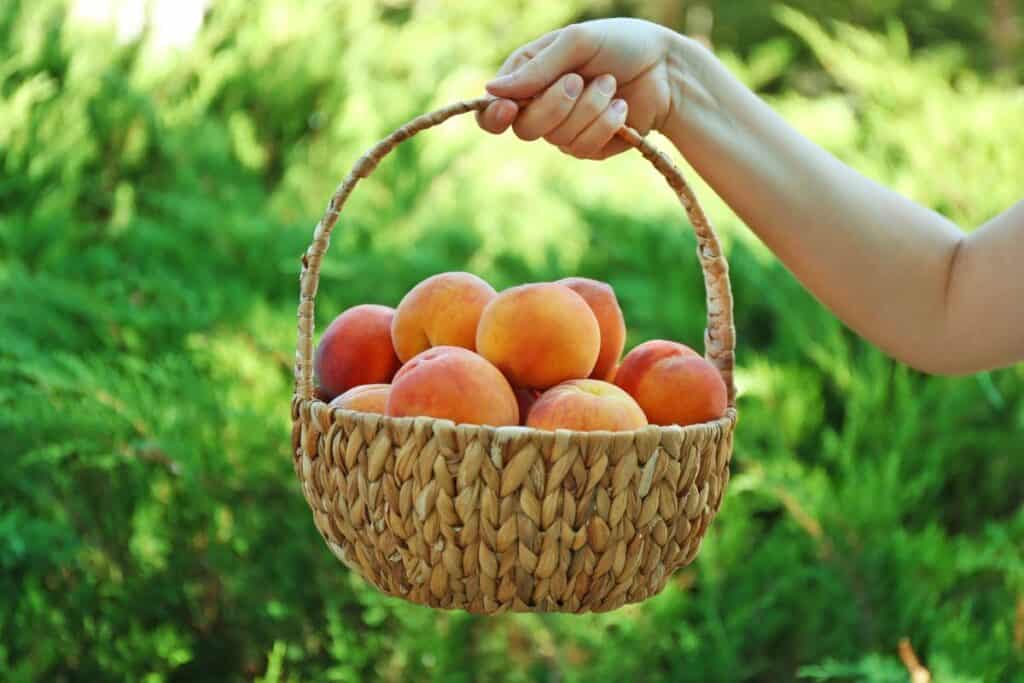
<point>881,262</point>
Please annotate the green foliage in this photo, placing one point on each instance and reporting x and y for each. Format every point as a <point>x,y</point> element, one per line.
<point>989,27</point>
<point>153,208</point>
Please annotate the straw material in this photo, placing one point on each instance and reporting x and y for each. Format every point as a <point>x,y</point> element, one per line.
<point>496,519</point>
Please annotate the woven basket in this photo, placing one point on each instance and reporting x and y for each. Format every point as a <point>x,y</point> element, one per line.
<point>496,519</point>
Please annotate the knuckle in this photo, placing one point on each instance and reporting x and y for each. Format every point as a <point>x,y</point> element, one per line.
<point>574,33</point>
<point>593,105</point>
<point>558,138</point>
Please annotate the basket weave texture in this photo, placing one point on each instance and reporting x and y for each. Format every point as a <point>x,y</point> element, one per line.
<point>501,519</point>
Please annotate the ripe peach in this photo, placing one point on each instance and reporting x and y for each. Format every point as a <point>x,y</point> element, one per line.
<point>367,398</point>
<point>586,405</point>
<point>525,398</point>
<point>443,310</point>
<point>613,373</point>
<point>356,349</point>
<point>640,360</point>
<point>672,383</point>
<point>601,298</point>
<point>455,384</point>
<point>539,335</point>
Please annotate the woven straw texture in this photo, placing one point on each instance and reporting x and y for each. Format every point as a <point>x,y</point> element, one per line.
<point>511,519</point>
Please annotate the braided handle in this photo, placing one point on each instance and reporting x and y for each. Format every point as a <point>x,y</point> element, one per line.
<point>719,336</point>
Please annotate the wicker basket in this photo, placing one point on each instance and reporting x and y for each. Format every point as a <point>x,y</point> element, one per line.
<point>495,519</point>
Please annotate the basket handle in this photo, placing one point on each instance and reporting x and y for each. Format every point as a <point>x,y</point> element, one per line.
<point>719,336</point>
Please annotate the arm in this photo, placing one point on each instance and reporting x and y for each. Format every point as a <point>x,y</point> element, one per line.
<point>900,275</point>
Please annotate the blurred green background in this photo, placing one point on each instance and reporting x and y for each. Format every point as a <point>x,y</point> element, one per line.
<point>163,165</point>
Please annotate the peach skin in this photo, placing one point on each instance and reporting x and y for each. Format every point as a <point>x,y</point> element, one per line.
<point>525,398</point>
<point>639,361</point>
<point>367,398</point>
<point>453,383</point>
<point>355,349</point>
<point>673,384</point>
<point>586,405</point>
<point>602,301</point>
<point>612,374</point>
<point>539,335</point>
<point>443,310</point>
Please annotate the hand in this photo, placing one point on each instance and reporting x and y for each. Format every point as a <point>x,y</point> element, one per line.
<point>583,82</point>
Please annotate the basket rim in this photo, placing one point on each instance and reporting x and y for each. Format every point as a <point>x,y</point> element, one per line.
<point>724,423</point>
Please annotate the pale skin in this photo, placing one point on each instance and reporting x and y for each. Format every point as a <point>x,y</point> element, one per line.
<point>902,276</point>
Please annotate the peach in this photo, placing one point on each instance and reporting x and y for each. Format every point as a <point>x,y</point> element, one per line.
<point>613,373</point>
<point>367,398</point>
<point>525,398</point>
<point>601,298</point>
<point>586,405</point>
<point>356,349</point>
<point>672,383</point>
<point>455,384</point>
<point>443,310</point>
<point>539,335</point>
<point>640,360</point>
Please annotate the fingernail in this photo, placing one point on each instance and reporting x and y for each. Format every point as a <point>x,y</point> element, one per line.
<point>506,111</point>
<point>606,84</point>
<point>619,106</point>
<point>573,86</point>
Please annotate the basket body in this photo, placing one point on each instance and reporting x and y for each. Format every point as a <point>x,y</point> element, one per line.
<point>509,519</point>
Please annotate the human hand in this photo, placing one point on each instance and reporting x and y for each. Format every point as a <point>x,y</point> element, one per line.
<point>576,87</point>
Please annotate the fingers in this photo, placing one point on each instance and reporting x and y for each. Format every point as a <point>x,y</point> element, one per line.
<point>572,47</point>
<point>548,111</point>
<point>597,140</point>
<point>498,116</point>
<point>526,53</point>
<point>594,100</point>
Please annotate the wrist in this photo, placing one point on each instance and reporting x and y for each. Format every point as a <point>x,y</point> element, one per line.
<point>691,93</point>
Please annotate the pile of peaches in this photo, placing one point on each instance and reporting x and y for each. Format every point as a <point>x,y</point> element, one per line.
<point>545,355</point>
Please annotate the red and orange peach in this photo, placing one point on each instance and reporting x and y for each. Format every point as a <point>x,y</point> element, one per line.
<point>602,301</point>
<point>453,383</point>
<point>366,398</point>
<point>442,310</point>
<point>355,349</point>
<point>539,335</point>
<point>672,383</point>
<point>586,405</point>
<point>525,398</point>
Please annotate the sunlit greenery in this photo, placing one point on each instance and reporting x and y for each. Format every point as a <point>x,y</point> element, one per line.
<point>154,203</point>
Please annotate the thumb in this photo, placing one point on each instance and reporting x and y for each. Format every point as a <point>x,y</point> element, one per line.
<point>567,52</point>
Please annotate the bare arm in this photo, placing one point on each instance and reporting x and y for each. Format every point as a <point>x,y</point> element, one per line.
<point>899,274</point>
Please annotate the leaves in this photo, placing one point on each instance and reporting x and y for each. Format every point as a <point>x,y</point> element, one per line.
<point>152,216</point>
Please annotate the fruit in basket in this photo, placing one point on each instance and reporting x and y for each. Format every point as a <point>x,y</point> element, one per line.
<point>356,349</point>
<point>525,398</point>
<point>602,301</point>
<point>613,373</point>
<point>442,310</point>
<point>366,398</point>
<point>539,335</point>
<point>586,405</point>
<point>455,384</point>
<point>672,383</point>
